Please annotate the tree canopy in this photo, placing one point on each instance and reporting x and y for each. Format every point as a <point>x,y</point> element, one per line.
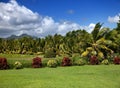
<point>101,42</point>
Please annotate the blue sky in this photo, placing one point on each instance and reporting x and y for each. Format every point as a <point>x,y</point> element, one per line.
<point>68,12</point>
<point>84,11</point>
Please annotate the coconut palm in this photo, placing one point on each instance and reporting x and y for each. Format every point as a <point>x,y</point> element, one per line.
<point>98,45</point>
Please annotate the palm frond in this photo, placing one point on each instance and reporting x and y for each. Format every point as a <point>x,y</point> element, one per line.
<point>96,31</point>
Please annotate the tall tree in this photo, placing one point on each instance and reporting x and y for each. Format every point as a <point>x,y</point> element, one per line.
<point>99,46</point>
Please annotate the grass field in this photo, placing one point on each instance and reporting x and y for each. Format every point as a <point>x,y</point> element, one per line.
<point>88,76</point>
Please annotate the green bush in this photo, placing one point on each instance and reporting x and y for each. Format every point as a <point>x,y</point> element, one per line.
<point>105,62</point>
<point>80,62</point>
<point>75,58</point>
<point>52,63</point>
<point>59,60</point>
<point>50,53</point>
<point>18,65</point>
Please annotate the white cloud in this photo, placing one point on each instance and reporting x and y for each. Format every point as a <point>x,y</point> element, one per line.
<point>91,27</point>
<point>66,26</point>
<point>114,19</point>
<point>17,19</point>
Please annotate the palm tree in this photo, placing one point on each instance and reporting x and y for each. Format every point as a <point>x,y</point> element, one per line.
<point>98,45</point>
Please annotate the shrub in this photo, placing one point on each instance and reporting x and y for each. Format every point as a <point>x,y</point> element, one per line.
<point>59,60</point>
<point>3,63</point>
<point>37,63</point>
<point>94,60</point>
<point>18,65</point>
<point>116,60</point>
<point>105,62</point>
<point>80,62</point>
<point>50,53</point>
<point>75,58</point>
<point>66,61</point>
<point>52,63</point>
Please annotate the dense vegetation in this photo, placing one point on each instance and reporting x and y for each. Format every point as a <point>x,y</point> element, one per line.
<point>101,42</point>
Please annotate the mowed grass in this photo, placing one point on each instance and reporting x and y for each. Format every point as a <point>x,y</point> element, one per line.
<point>88,76</point>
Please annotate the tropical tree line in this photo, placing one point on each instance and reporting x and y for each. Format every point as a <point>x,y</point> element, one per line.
<point>101,42</point>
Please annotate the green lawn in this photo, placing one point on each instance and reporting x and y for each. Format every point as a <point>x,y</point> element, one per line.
<point>88,76</point>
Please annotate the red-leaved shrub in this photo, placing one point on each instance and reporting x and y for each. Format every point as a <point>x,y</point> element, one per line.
<point>37,63</point>
<point>116,60</point>
<point>94,60</point>
<point>66,61</point>
<point>3,63</point>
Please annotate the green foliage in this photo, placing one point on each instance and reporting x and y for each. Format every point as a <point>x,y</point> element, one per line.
<point>105,62</point>
<point>96,31</point>
<point>59,60</point>
<point>80,62</point>
<point>102,42</point>
<point>18,65</point>
<point>50,53</point>
<point>52,63</point>
<point>77,59</point>
<point>44,62</point>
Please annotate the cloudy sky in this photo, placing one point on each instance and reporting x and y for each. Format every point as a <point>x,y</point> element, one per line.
<point>47,17</point>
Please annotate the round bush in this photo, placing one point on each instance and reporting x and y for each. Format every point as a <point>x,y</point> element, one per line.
<point>18,65</point>
<point>94,60</point>
<point>3,63</point>
<point>80,62</point>
<point>37,62</point>
<point>105,62</point>
<point>52,63</point>
<point>66,61</point>
<point>116,60</point>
